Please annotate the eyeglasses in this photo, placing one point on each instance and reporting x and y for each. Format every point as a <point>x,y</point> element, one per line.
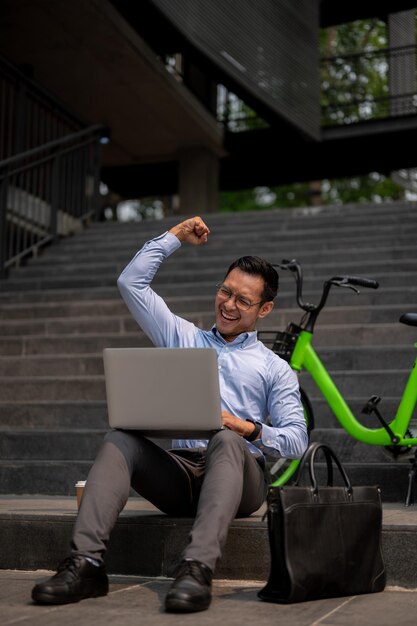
<point>241,302</point>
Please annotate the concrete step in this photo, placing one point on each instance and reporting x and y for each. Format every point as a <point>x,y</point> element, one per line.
<point>124,323</point>
<point>221,258</point>
<point>182,268</point>
<point>47,415</point>
<point>274,249</point>
<point>312,281</point>
<point>368,357</point>
<point>359,334</point>
<point>73,444</point>
<point>278,231</point>
<point>42,476</point>
<point>324,252</point>
<point>362,382</point>
<point>52,408</point>
<point>63,295</point>
<point>326,335</point>
<point>80,414</point>
<point>276,244</point>
<point>50,365</point>
<point>348,214</point>
<point>82,444</point>
<point>50,445</point>
<point>62,344</point>
<point>336,358</point>
<point>45,524</point>
<point>350,450</point>
<point>54,477</point>
<point>54,388</point>
<point>270,225</point>
<point>170,276</point>
<point>186,272</point>
<point>324,417</point>
<point>66,326</point>
<point>107,300</point>
<point>52,310</point>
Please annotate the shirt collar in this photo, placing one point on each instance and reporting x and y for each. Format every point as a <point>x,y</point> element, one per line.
<point>244,339</point>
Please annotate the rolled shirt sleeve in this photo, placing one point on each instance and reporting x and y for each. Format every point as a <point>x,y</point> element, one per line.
<point>148,309</point>
<point>287,435</point>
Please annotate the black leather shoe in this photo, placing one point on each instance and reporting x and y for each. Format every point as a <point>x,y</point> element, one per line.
<point>191,589</point>
<point>75,580</point>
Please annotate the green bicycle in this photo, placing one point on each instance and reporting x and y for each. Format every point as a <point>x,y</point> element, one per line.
<point>295,346</point>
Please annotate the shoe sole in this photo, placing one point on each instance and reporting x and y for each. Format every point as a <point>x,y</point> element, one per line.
<point>46,598</point>
<point>184,606</point>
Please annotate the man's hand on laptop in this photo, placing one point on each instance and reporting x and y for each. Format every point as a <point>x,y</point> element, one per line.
<point>193,231</point>
<point>238,425</point>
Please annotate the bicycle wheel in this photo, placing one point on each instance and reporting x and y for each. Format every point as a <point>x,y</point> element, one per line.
<point>284,469</point>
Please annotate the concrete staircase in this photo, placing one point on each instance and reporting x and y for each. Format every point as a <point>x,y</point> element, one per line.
<point>60,311</point>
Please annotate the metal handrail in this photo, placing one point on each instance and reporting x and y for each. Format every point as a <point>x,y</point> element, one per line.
<point>47,192</point>
<point>369,53</point>
<point>56,143</point>
<point>14,73</point>
<point>31,116</point>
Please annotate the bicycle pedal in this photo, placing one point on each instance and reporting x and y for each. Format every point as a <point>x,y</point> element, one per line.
<point>371,405</point>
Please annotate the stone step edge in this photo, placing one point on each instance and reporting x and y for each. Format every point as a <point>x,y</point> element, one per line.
<point>95,268</point>
<point>321,327</point>
<point>356,465</point>
<point>116,295</point>
<point>280,310</point>
<point>323,349</point>
<point>94,377</point>
<point>162,540</point>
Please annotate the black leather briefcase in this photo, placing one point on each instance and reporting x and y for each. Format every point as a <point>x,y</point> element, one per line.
<point>325,541</point>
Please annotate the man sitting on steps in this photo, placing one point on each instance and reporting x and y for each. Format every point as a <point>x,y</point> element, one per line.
<point>214,481</point>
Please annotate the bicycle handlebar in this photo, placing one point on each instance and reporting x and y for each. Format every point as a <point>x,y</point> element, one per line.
<point>339,281</point>
<point>358,281</point>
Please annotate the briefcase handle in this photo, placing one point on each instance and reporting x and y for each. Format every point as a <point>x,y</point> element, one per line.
<point>330,456</point>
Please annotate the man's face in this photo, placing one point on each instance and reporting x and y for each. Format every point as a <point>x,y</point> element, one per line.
<point>231,319</point>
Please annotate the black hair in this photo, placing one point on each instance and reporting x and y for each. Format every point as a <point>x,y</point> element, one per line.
<point>258,267</point>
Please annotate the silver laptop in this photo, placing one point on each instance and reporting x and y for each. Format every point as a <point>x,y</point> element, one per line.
<point>163,392</point>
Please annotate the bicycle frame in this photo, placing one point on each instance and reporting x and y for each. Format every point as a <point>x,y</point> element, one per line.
<point>305,357</point>
<point>294,345</point>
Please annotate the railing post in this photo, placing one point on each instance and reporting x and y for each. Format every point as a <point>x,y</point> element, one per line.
<point>96,175</point>
<point>21,119</point>
<point>55,182</point>
<point>3,224</point>
<point>402,63</point>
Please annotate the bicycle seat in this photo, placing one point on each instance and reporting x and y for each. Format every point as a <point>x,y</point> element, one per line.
<point>409,318</point>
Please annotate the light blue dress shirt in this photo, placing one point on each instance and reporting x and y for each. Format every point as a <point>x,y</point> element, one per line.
<point>254,382</point>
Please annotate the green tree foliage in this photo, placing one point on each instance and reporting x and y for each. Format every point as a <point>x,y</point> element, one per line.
<point>354,87</point>
<point>354,72</point>
<point>372,188</point>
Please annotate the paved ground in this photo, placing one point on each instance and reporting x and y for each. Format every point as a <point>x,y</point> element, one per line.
<point>136,601</point>
<point>139,601</point>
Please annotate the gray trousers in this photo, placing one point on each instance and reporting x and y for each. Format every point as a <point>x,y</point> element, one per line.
<point>213,485</point>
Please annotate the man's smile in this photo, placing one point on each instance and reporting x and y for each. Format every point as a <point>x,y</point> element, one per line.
<point>228,316</point>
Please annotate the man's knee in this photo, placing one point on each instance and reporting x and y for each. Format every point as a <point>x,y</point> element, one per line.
<point>126,442</point>
<point>226,439</point>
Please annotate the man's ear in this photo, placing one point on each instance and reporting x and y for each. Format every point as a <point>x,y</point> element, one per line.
<point>266,308</point>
